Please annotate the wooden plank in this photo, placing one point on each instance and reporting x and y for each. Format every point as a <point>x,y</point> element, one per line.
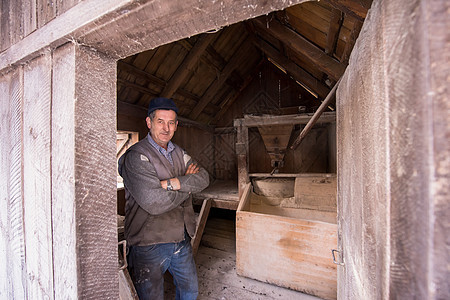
<point>350,43</point>
<point>242,156</point>
<point>201,223</point>
<point>29,17</point>
<point>54,34</point>
<point>293,69</point>
<point>255,121</point>
<point>63,6</point>
<point>16,16</point>
<point>290,252</point>
<point>96,174</point>
<point>5,158</point>
<point>355,8</point>
<point>16,206</point>
<point>300,45</point>
<point>91,23</point>
<point>5,28</point>
<point>244,201</point>
<point>316,192</point>
<point>333,31</point>
<point>186,67</point>
<point>126,287</point>
<point>37,180</point>
<point>46,11</point>
<point>63,173</point>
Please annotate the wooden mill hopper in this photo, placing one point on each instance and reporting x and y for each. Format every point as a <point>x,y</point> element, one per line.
<point>276,139</point>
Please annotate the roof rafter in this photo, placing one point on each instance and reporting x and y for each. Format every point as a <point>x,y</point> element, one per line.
<point>303,47</point>
<point>151,78</point>
<point>292,68</point>
<point>333,32</point>
<point>188,63</point>
<point>355,8</point>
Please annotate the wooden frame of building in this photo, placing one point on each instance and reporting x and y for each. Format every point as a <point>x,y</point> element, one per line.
<point>58,237</point>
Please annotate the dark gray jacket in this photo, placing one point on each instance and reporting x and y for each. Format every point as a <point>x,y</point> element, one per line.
<point>152,214</point>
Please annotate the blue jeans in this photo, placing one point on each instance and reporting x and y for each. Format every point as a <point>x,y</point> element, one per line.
<point>149,263</point>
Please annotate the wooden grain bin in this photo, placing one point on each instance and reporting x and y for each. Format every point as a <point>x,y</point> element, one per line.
<point>288,242</point>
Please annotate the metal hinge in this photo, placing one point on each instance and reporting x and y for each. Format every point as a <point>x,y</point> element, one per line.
<point>341,259</point>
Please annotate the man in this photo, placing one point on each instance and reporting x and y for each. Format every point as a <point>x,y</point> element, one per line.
<point>159,219</point>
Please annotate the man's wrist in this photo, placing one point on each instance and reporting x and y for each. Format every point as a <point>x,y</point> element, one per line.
<point>169,185</point>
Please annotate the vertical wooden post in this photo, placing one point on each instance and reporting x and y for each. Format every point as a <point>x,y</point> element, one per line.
<point>95,174</point>
<point>242,155</point>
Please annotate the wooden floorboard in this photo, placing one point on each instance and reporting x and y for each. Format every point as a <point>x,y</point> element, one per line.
<point>216,269</point>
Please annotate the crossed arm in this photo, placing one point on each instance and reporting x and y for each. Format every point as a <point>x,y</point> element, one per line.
<point>192,169</point>
<point>151,194</point>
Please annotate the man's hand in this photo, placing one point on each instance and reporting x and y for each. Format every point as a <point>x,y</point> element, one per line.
<point>192,169</point>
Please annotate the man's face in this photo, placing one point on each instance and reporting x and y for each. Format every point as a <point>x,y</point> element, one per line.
<point>163,126</point>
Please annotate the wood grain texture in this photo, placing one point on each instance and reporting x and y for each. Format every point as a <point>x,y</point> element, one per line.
<point>55,34</point>
<point>63,173</point>
<point>436,23</point>
<point>16,206</point>
<point>417,146</point>
<point>390,204</point>
<point>29,15</point>
<point>5,34</point>
<point>90,22</point>
<point>287,252</point>
<point>95,174</point>
<point>363,184</point>
<point>37,178</point>
<point>325,63</point>
<point>5,125</point>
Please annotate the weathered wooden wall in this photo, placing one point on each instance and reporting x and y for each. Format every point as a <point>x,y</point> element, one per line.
<point>58,236</point>
<point>19,18</point>
<point>50,120</point>
<point>393,149</point>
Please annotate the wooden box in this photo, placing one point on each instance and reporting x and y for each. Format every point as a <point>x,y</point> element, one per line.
<point>288,241</point>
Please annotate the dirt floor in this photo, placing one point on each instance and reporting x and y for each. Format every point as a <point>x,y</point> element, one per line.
<point>216,267</point>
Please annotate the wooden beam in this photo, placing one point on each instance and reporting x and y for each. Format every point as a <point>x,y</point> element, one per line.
<point>336,21</point>
<point>255,121</point>
<point>140,73</point>
<point>187,65</point>
<point>292,68</point>
<point>242,152</point>
<point>128,109</point>
<point>301,46</point>
<point>244,198</point>
<point>218,203</point>
<point>355,8</point>
<point>357,25</point>
<point>201,224</point>
<point>315,117</point>
<point>111,26</point>
<point>211,57</point>
<point>56,33</point>
<point>138,87</point>
<point>153,79</point>
<point>236,60</point>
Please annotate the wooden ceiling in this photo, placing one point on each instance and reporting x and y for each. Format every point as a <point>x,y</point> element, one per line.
<point>205,74</point>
